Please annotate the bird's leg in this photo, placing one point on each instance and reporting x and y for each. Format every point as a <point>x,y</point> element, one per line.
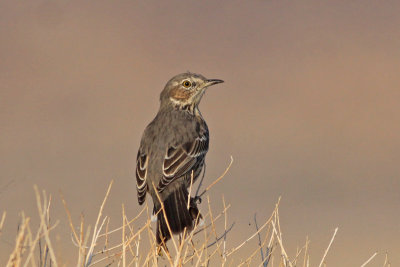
<point>194,211</point>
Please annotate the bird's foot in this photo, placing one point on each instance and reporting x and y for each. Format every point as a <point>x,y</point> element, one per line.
<point>196,199</point>
<point>162,248</point>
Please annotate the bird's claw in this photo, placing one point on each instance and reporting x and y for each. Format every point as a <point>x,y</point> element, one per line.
<point>197,199</point>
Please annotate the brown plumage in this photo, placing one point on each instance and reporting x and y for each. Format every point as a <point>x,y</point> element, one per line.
<point>174,146</point>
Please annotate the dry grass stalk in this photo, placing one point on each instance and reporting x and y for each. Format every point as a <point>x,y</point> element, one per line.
<point>45,229</point>
<point>370,259</point>
<point>329,246</point>
<point>3,218</point>
<point>129,245</point>
<point>16,256</point>
<point>95,231</point>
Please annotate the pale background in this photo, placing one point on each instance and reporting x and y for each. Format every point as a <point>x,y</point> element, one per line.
<point>309,111</point>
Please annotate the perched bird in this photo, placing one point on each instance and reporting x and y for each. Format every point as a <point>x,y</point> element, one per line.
<point>172,150</point>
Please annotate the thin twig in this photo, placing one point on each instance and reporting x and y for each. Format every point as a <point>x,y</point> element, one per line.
<point>190,189</point>
<point>45,230</point>
<point>330,243</point>
<point>215,219</point>
<point>15,257</point>
<point>249,259</point>
<point>128,223</point>
<point>305,252</point>
<point>212,221</point>
<point>370,259</point>
<point>259,237</point>
<point>218,238</point>
<point>123,237</point>
<point>33,244</point>
<point>262,227</point>
<point>95,232</point>
<point>225,223</point>
<point>283,251</point>
<point>218,179</point>
<point>386,262</point>
<point>3,218</point>
<point>69,216</point>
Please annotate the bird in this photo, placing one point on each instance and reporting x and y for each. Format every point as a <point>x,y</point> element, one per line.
<point>172,153</point>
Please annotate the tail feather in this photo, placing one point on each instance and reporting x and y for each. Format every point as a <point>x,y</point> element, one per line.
<point>178,215</point>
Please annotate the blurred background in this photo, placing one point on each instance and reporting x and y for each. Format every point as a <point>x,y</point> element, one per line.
<point>309,111</point>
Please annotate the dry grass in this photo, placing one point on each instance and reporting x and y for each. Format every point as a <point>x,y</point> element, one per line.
<point>206,245</point>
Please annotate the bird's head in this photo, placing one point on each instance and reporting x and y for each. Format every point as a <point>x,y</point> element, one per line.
<point>185,90</point>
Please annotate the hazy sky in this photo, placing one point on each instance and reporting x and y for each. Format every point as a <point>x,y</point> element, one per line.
<point>309,111</point>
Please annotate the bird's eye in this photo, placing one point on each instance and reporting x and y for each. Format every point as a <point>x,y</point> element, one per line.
<point>186,84</point>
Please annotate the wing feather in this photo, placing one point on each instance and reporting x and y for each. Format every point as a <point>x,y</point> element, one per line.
<point>141,175</point>
<point>179,161</point>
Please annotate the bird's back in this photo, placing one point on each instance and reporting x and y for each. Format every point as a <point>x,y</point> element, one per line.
<point>170,128</point>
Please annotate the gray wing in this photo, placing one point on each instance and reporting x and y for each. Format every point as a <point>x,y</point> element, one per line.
<point>141,176</point>
<point>181,160</point>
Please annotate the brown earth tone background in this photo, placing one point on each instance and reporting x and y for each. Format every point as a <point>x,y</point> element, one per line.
<point>309,111</point>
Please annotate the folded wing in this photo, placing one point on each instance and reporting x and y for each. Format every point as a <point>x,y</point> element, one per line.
<point>181,160</point>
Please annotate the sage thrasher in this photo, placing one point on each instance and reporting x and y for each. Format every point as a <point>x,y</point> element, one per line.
<point>172,153</point>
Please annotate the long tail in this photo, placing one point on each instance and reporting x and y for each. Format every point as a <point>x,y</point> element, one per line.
<point>178,215</point>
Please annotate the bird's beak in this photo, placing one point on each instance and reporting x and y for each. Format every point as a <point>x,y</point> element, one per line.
<point>212,82</point>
